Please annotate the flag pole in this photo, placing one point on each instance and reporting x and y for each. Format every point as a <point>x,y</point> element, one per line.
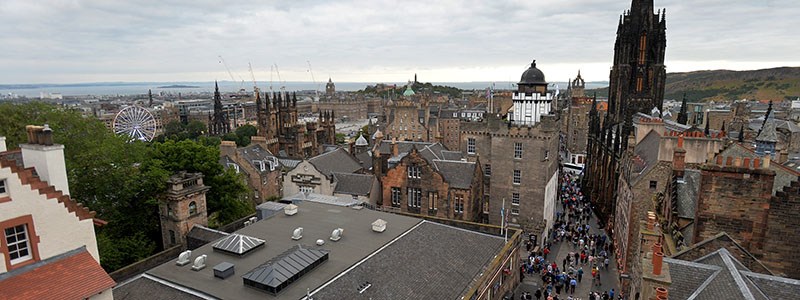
<point>503,228</point>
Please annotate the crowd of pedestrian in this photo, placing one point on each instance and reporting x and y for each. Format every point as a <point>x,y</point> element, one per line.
<point>589,253</point>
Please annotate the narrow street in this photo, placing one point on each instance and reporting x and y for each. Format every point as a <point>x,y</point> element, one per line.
<point>564,246</point>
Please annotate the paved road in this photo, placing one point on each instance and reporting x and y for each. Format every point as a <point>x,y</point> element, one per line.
<point>608,277</point>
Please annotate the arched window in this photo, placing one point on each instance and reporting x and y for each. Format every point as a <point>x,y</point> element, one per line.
<point>192,208</point>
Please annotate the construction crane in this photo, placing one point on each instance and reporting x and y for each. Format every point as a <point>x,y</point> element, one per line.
<point>252,76</point>
<point>283,87</point>
<point>222,61</point>
<point>316,86</point>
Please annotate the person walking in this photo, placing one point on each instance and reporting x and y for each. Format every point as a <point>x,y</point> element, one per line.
<point>572,284</point>
<point>580,274</point>
<point>538,294</point>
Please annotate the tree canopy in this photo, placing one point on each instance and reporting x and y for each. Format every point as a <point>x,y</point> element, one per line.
<point>123,181</point>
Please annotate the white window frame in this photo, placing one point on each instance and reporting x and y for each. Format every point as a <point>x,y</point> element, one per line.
<point>413,171</point>
<point>21,243</point>
<point>487,170</point>
<point>515,211</point>
<point>458,204</point>
<point>234,166</point>
<point>517,177</point>
<point>518,150</point>
<point>396,195</point>
<point>305,188</point>
<point>260,165</point>
<point>414,197</point>
<point>470,146</point>
<point>515,199</point>
<point>3,187</point>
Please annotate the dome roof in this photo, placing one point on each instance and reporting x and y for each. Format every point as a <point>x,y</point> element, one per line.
<point>361,141</point>
<point>532,75</point>
<point>409,91</point>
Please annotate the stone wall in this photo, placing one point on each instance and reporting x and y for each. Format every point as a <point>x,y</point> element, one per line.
<point>734,199</point>
<point>780,249</point>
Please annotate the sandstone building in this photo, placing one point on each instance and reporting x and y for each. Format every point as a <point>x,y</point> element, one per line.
<point>519,156</point>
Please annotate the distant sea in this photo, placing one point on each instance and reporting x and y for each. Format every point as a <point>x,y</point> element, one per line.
<point>139,88</point>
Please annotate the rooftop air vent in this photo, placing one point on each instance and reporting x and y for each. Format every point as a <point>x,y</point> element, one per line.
<point>238,244</point>
<point>297,234</point>
<point>290,210</point>
<point>199,263</point>
<point>183,258</point>
<point>223,270</point>
<point>336,235</point>
<point>320,242</point>
<point>379,225</point>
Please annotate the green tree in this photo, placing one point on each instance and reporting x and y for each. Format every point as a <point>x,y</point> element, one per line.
<point>244,133</point>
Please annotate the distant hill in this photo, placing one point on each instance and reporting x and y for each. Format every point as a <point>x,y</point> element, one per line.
<point>765,84</point>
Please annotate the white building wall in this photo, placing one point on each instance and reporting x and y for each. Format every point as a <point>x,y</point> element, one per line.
<point>58,229</point>
<point>529,108</point>
<point>291,188</point>
<point>49,164</point>
<point>550,204</point>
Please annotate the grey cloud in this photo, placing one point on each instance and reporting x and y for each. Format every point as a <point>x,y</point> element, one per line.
<point>47,41</point>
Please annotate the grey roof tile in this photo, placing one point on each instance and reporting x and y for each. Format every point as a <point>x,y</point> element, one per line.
<point>458,174</point>
<point>338,160</point>
<point>449,271</point>
<point>687,193</point>
<point>353,184</point>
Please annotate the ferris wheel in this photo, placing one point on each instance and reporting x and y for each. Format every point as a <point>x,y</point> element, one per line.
<point>136,122</point>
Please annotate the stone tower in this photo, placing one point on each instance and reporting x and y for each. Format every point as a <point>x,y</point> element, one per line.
<point>183,206</point>
<point>578,87</point>
<point>330,88</point>
<point>531,100</point>
<point>638,75</point>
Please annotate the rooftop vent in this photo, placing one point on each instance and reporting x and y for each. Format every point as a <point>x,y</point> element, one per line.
<point>379,225</point>
<point>183,258</point>
<point>320,242</point>
<point>290,210</point>
<point>199,263</point>
<point>223,270</point>
<point>336,235</point>
<point>279,272</point>
<point>238,244</point>
<point>297,234</point>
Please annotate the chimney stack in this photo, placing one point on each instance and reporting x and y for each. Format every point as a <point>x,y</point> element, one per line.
<point>47,158</point>
<point>679,158</point>
<point>395,151</point>
<point>227,148</point>
<point>766,162</point>
<point>784,157</point>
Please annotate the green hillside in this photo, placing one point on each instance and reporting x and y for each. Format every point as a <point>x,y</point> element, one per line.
<point>715,85</point>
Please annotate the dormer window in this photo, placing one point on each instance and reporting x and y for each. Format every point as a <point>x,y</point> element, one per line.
<point>259,165</point>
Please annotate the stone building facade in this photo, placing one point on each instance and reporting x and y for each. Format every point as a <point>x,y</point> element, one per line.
<point>285,135</point>
<point>261,168</point>
<point>182,207</point>
<point>451,189</point>
<point>519,156</point>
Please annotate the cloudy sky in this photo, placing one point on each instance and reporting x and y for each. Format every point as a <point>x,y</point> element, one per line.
<point>70,41</point>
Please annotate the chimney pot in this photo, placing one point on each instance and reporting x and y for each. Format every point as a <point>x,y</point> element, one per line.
<point>737,162</point>
<point>719,160</point>
<point>766,162</point>
<point>728,161</point>
<point>746,163</point>
<point>658,260</point>
<point>662,292</point>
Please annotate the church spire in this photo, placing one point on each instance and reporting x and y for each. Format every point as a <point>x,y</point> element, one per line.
<point>683,117</point>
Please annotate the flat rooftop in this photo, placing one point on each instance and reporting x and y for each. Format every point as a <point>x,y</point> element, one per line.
<point>412,259</point>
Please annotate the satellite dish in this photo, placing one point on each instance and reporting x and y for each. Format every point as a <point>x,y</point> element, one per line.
<point>298,233</point>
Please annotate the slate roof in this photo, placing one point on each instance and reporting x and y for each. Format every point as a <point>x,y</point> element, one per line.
<point>448,272</point>
<point>647,151</point>
<point>254,152</point>
<point>200,235</point>
<point>458,174</point>
<point>687,193</point>
<point>227,162</point>
<point>338,160</point>
<point>132,290</point>
<point>721,276</point>
<point>71,275</point>
<point>768,132</point>
<point>353,184</point>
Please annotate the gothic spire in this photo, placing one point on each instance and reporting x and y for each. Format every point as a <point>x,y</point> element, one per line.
<point>294,99</point>
<point>683,116</point>
<point>266,97</point>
